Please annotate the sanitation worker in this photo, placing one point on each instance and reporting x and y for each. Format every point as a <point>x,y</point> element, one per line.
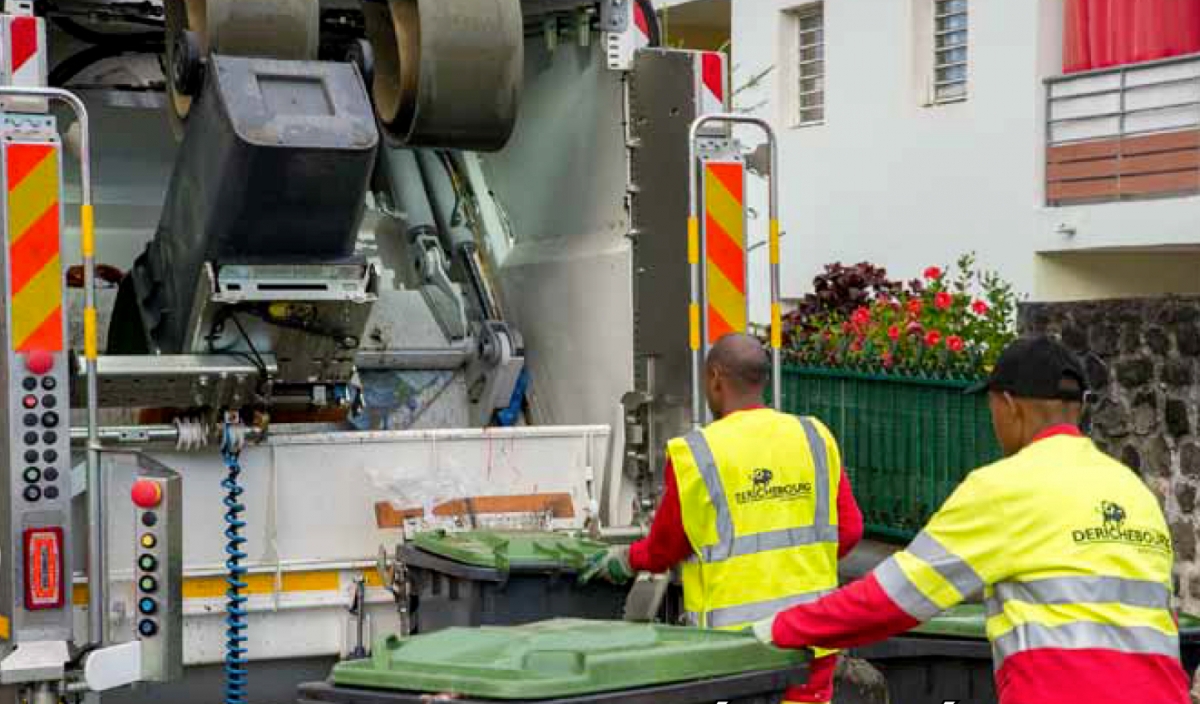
<point>759,499</point>
<point>1068,546</point>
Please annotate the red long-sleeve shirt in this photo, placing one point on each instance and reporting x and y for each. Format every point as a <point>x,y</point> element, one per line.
<point>668,545</point>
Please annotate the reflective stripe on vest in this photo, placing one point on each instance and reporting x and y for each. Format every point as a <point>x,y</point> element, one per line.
<point>903,592</point>
<point>748,613</point>
<point>1094,589</point>
<point>1137,593</point>
<point>1082,635</point>
<point>951,567</point>
<point>908,596</point>
<point>731,545</point>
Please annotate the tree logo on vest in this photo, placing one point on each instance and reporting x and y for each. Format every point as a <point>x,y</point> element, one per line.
<point>1113,529</point>
<point>764,488</point>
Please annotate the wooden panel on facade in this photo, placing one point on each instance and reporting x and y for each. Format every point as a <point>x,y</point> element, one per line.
<point>1166,164</point>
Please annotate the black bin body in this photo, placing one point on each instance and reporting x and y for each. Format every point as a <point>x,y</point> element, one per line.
<point>924,669</point>
<point>1189,649</point>
<point>765,687</point>
<point>446,594</point>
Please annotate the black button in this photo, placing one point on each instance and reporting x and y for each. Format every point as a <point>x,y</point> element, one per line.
<point>32,493</point>
<point>149,519</point>
<point>31,438</point>
<point>31,455</point>
<point>49,401</point>
<point>49,383</point>
<point>49,437</point>
<point>33,475</point>
<point>51,492</point>
<point>30,420</point>
<point>148,584</point>
<point>148,563</point>
<point>147,628</point>
<point>147,606</point>
<point>50,455</point>
<point>50,419</point>
<point>51,474</point>
<point>29,383</point>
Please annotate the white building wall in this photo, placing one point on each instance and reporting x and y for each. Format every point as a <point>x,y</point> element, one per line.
<point>886,178</point>
<point>905,185</point>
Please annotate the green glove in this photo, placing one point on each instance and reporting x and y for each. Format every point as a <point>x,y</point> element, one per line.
<point>764,630</point>
<point>611,565</point>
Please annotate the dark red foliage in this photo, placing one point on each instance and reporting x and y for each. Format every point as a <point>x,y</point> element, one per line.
<point>841,290</point>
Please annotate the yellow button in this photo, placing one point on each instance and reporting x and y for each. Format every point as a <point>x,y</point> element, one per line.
<point>149,541</point>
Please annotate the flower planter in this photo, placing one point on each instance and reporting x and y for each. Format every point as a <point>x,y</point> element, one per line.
<point>906,442</point>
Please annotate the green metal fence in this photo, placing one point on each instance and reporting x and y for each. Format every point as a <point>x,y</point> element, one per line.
<point>906,442</point>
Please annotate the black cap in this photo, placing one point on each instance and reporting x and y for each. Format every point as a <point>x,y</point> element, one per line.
<point>1037,368</point>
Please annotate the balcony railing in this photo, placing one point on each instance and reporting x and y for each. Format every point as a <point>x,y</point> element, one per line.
<point>1129,132</point>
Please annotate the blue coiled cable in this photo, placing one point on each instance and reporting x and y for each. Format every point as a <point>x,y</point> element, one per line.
<point>235,601</point>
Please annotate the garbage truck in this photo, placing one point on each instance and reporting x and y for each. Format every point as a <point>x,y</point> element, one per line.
<point>292,283</point>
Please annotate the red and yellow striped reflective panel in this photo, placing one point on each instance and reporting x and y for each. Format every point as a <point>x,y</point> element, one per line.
<point>725,247</point>
<point>35,270</point>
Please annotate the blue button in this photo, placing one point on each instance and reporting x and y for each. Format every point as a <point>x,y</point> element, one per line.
<point>147,628</point>
<point>147,606</point>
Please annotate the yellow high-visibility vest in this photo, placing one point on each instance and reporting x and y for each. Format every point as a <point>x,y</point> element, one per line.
<point>758,494</point>
<point>1068,546</point>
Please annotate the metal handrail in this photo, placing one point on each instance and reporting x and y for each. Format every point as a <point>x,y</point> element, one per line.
<point>1109,70</point>
<point>697,298</point>
<point>1089,115</point>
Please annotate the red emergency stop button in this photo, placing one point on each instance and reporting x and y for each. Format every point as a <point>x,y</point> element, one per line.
<point>39,361</point>
<point>146,494</point>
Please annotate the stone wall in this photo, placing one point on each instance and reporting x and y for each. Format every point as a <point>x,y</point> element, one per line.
<point>1143,360</point>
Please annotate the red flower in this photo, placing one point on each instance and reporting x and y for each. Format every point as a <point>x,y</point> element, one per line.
<point>933,338</point>
<point>980,308</point>
<point>914,306</point>
<point>862,316</point>
<point>894,332</point>
<point>914,328</point>
<point>886,358</point>
<point>943,301</point>
<point>933,273</point>
<point>955,343</point>
<point>856,346</point>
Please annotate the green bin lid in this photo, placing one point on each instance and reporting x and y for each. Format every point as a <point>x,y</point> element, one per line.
<point>970,621</point>
<point>560,658</point>
<point>962,621</point>
<point>501,550</point>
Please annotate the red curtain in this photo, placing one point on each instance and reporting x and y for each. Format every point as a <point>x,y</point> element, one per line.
<point>1100,33</point>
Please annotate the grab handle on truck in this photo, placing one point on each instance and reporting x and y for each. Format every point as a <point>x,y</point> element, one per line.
<point>698,302</point>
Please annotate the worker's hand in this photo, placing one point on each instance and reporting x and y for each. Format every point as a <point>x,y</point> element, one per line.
<point>612,566</point>
<point>764,630</point>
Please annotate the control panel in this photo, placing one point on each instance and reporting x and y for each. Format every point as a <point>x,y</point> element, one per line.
<point>158,530</point>
<point>35,593</point>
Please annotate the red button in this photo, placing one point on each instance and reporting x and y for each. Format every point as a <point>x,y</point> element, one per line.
<point>146,493</point>
<point>29,402</point>
<point>39,361</point>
